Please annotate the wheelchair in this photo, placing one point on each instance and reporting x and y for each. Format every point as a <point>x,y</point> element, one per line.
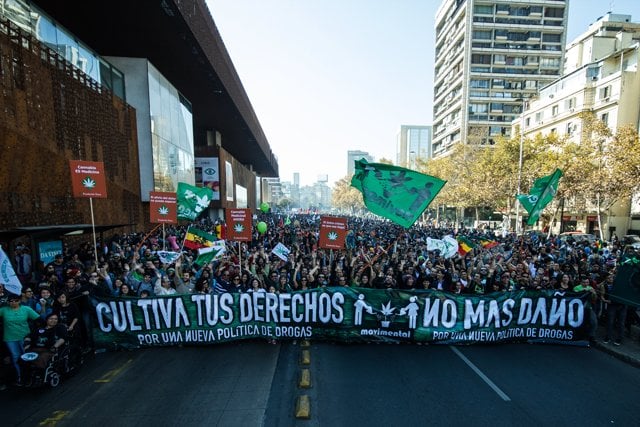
<point>62,363</point>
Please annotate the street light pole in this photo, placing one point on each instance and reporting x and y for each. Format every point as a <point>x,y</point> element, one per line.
<point>518,220</point>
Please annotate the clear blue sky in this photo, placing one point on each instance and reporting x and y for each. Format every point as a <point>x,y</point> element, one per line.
<point>328,76</point>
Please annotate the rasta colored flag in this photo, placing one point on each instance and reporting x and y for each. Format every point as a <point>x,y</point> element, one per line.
<point>488,243</point>
<point>196,239</point>
<point>464,245</point>
<point>543,191</point>
<point>396,193</point>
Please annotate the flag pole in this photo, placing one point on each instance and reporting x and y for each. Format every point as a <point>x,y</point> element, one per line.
<point>164,240</point>
<point>93,227</point>
<point>240,256</point>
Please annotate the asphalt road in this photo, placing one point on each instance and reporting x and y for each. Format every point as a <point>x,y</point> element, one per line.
<point>520,384</point>
<point>254,383</point>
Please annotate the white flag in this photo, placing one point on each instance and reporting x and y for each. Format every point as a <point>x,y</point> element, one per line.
<point>8,275</point>
<point>167,257</point>
<point>281,251</point>
<point>451,246</point>
<point>218,246</point>
<point>448,246</point>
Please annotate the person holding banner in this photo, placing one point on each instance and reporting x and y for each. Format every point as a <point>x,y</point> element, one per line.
<point>16,327</point>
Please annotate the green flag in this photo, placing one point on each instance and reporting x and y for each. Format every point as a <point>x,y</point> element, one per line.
<point>192,201</point>
<point>396,193</point>
<point>543,191</point>
<point>208,254</point>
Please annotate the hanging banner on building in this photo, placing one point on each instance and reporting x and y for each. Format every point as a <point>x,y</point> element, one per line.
<point>163,207</point>
<point>208,175</point>
<point>333,232</point>
<point>344,314</point>
<point>238,224</point>
<point>88,179</point>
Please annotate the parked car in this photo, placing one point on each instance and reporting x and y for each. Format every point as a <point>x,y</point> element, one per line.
<point>631,240</point>
<point>577,236</point>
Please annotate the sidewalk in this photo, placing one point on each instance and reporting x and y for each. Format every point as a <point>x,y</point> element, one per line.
<point>628,351</point>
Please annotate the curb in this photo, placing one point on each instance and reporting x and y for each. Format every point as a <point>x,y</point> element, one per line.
<point>607,348</point>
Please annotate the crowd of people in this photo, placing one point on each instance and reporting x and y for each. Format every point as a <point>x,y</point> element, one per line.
<point>377,254</point>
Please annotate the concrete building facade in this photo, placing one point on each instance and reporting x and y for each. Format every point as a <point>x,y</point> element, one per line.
<point>489,55</point>
<point>353,155</point>
<point>601,77</point>
<point>412,143</point>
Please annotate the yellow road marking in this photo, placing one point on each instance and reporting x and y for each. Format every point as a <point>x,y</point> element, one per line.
<point>53,420</point>
<point>303,407</point>
<point>305,358</point>
<point>305,379</point>
<point>113,373</point>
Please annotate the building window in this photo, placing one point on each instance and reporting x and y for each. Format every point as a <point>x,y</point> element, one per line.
<point>554,12</point>
<point>554,110</point>
<point>605,92</point>
<point>551,38</point>
<point>483,9</point>
<point>480,84</point>
<point>478,108</point>
<point>604,117</point>
<point>480,59</point>
<point>482,35</point>
<point>550,62</point>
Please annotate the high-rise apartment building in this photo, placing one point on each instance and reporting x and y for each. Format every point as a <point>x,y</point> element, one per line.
<point>413,142</point>
<point>601,77</point>
<point>490,55</point>
<point>353,155</point>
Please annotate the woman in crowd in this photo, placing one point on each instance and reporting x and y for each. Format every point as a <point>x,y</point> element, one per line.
<point>46,341</point>
<point>68,313</point>
<point>124,291</point>
<point>16,321</point>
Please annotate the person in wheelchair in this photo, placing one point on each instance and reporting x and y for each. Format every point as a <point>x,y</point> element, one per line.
<point>45,342</point>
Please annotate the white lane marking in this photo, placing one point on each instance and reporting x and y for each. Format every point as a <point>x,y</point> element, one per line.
<point>481,375</point>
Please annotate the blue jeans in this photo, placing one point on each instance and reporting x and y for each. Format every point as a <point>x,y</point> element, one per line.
<point>16,348</point>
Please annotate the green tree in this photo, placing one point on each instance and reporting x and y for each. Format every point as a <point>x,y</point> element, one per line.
<point>344,196</point>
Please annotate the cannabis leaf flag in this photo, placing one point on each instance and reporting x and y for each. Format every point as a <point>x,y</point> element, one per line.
<point>281,251</point>
<point>448,246</point>
<point>543,191</point>
<point>208,254</point>
<point>192,201</point>
<point>396,193</point>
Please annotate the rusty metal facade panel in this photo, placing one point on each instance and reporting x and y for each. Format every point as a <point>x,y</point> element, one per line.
<point>50,113</point>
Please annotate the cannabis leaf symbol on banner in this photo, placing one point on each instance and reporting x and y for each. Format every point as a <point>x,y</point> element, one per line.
<point>238,228</point>
<point>88,182</point>
<point>163,210</point>
<point>201,202</point>
<point>332,236</point>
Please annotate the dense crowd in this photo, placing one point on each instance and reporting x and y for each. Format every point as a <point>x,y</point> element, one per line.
<point>377,254</point>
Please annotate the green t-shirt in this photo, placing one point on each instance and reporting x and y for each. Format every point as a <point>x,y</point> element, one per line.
<point>16,325</point>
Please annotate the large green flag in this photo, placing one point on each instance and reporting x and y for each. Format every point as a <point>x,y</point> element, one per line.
<point>543,191</point>
<point>192,201</point>
<point>396,193</point>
